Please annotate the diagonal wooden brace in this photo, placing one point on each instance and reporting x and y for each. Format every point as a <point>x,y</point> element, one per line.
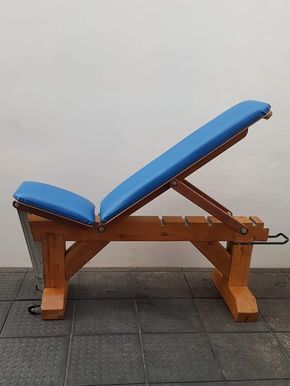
<point>208,204</point>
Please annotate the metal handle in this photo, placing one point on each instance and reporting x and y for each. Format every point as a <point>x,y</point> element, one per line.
<point>285,241</point>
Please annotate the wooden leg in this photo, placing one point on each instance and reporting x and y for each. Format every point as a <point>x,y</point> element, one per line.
<point>54,296</point>
<point>234,290</point>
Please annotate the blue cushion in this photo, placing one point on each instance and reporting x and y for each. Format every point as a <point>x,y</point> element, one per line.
<point>183,154</point>
<point>56,201</point>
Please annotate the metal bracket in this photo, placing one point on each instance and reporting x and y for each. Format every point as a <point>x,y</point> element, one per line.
<point>285,241</point>
<point>34,249</point>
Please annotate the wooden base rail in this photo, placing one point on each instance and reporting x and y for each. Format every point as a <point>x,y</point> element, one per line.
<point>231,263</point>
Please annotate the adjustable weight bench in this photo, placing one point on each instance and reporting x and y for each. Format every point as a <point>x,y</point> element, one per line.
<point>51,216</point>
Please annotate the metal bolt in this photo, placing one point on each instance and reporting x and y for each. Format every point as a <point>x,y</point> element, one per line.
<point>101,228</point>
<point>244,231</point>
<point>173,183</point>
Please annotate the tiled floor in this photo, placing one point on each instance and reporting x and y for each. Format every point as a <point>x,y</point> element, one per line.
<point>157,327</point>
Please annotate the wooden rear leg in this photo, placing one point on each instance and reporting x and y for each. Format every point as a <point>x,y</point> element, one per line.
<point>234,290</point>
<point>54,297</point>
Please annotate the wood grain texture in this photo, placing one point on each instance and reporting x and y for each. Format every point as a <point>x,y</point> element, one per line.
<point>241,302</point>
<point>151,228</point>
<point>216,254</point>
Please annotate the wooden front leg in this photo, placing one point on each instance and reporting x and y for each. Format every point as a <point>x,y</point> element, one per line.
<point>54,296</point>
<point>234,288</point>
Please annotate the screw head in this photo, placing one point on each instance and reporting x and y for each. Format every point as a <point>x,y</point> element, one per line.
<point>244,231</point>
<point>173,183</point>
<point>101,228</point>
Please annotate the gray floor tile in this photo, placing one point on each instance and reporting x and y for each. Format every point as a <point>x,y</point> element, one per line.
<point>74,286</point>
<point>21,323</point>
<point>274,382</point>
<point>250,356</point>
<point>266,270</point>
<point>156,269</point>
<point>217,318</point>
<point>270,284</point>
<point>179,358</point>
<point>37,361</point>
<point>28,288</point>
<point>276,312</point>
<point>284,339</point>
<point>161,284</point>
<point>13,269</point>
<point>201,284</point>
<point>168,315</point>
<point>10,283</point>
<point>106,269</point>
<point>130,269</point>
<point>196,269</point>
<point>191,384</point>
<point>4,309</point>
<point>106,359</point>
<point>93,285</point>
<point>105,316</point>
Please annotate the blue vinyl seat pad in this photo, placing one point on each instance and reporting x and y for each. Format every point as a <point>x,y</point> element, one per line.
<point>57,201</point>
<point>188,151</point>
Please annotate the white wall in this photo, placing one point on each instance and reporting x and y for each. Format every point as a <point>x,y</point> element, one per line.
<point>91,90</point>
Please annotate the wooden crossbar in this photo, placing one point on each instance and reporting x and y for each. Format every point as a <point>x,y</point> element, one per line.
<point>153,228</point>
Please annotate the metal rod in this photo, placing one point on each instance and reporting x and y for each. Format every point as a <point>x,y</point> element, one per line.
<point>285,241</point>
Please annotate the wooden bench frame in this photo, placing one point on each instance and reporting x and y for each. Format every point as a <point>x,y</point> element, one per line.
<point>46,235</point>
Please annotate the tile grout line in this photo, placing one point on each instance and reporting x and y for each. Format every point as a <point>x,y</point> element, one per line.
<point>206,333</point>
<point>280,345</point>
<point>11,303</point>
<point>141,343</point>
<point>22,281</point>
<point>69,346</point>
<point>5,320</point>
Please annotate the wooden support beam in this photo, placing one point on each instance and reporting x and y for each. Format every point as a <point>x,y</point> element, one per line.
<point>241,302</point>
<point>216,254</point>
<point>79,254</point>
<point>151,228</point>
<point>54,296</point>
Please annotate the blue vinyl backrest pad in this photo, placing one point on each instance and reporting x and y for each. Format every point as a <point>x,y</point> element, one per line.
<point>182,155</point>
<point>57,201</point>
